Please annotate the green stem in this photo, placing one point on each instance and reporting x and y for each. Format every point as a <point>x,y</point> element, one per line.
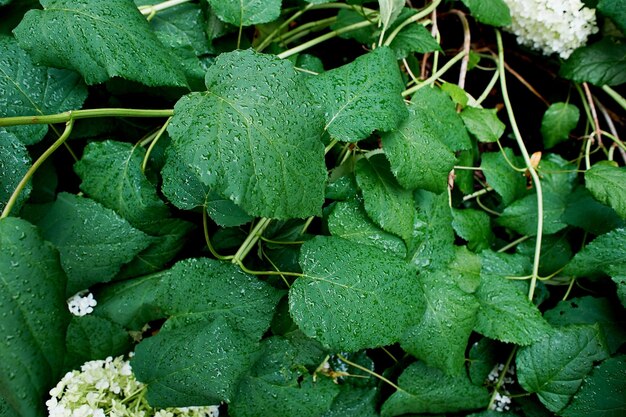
<point>33,169</point>
<point>251,240</point>
<point>250,271</point>
<point>305,30</point>
<point>513,244</point>
<point>477,193</point>
<point>323,38</point>
<point>207,238</point>
<point>364,369</point>
<point>489,87</point>
<point>529,165</point>
<point>501,377</point>
<point>420,15</point>
<point>82,114</point>
<point>436,75</point>
<point>152,10</point>
<point>154,141</point>
<point>615,96</point>
<point>265,43</point>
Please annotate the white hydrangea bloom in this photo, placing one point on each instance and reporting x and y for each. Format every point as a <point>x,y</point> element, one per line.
<point>108,388</point>
<point>552,26</point>
<point>81,303</point>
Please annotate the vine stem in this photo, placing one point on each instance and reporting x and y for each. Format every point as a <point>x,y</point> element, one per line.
<point>466,47</point>
<point>265,43</point>
<point>436,75</point>
<point>594,115</point>
<point>501,377</point>
<point>31,171</point>
<point>615,96</point>
<point>152,10</point>
<point>364,369</point>
<point>416,17</point>
<point>82,114</point>
<point>529,165</point>
<point>323,38</point>
<point>250,241</point>
<point>154,141</point>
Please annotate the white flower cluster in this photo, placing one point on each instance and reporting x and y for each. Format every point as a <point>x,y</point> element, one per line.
<point>81,304</point>
<point>552,26</point>
<point>501,401</point>
<point>108,388</point>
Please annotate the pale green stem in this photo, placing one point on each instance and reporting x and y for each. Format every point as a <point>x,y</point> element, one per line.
<point>323,38</point>
<point>364,369</point>
<point>489,87</point>
<point>436,75</point>
<point>529,165</point>
<point>31,171</point>
<point>207,238</point>
<point>477,193</point>
<point>250,271</point>
<point>588,153</point>
<point>615,96</point>
<point>152,10</point>
<point>154,141</point>
<point>251,240</point>
<point>82,114</point>
<point>416,17</point>
<point>282,26</point>
<point>305,30</point>
<point>501,377</point>
<point>513,244</point>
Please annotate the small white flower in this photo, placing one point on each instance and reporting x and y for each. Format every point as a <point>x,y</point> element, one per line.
<point>552,26</point>
<point>80,304</point>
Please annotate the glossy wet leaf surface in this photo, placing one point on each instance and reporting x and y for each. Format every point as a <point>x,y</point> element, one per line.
<point>14,162</point>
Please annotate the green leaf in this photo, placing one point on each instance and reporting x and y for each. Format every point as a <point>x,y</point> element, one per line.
<point>440,338</point>
<point>556,252</point>
<point>183,188</point>
<point>349,221</point>
<point>111,174</point>
<point>620,281</point>
<point>413,38</point>
<point>192,290</point>
<point>602,63</point>
<point>557,123</point>
<point>602,392</point>
<point>555,366</point>
<point>521,216</point>
<point>354,401</point>
<point>429,390</point>
<point>591,310</point>
<point>91,337</point>
<point>93,241</point>
<point>603,256</point>
<point>607,183</point>
<point>281,375</point>
<point>586,212</point>
<point>456,93</point>
<point>387,204</point>
<point>508,183</point>
<point>615,10</point>
<point>34,317</point>
<point>353,296</point>
<point>254,137</point>
<point>199,364</point>
<point>362,96</point>
<point>246,12</point>
<point>14,162</point>
<point>483,356</point>
<point>417,153</point>
<point>432,242</point>
<point>29,89</point>
<point>475,227</point>
<point>490,12</point>
<point>505,312</point>
<point>483,124</point>
<point>389,11</point>
<point>438,115</point>
<point>100,40</point>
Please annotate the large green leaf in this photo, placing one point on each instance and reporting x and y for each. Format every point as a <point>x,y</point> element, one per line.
<point>557,123</point>
<point>34,316</point>
<point>438,112</point>
<point>192,290</point>
<point>586,212</point>
<point>111,174</point>
<point>604,255</point>
<point>281,375</point>
<point>349,220</point>
<point>474,226</point>
<point>413,38</point>
<point>354,401</point>
<point>607,183</point>
<point>505,312</point>
<point>14,162</point>
<point>521,216</point>
<point>100,40</point>
<point>254,136</point>
<point>362,96</point>
<point>507,182</point>
<point>616,10</point>
<point>387,204</point>
<point>602,63</point>
<point>353,296</point>
<point>198,364</point>
<point>29,89</point>
<point>591,310</point>
<point>418,154</point>
<point>440,338</point>
<point>490,12</point>
<point>94,242</point>
<point>482,123</point>
<point>427,390</point>
<point>602,392</point>
<point>246,12</point>
<point>555,366</point>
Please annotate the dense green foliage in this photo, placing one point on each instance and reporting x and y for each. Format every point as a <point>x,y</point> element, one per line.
<point>373,239</point>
